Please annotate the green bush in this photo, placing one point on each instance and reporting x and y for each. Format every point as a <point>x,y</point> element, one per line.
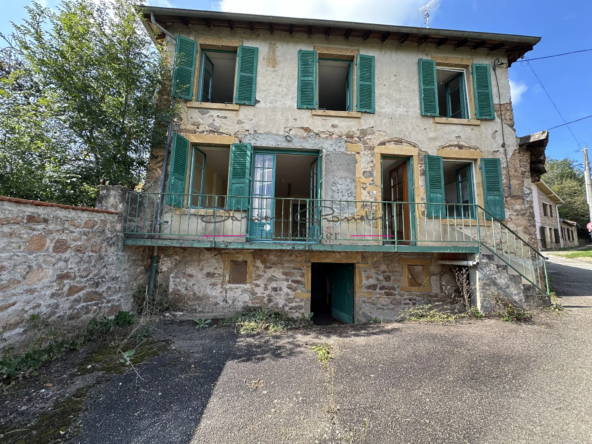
<point>123,319</point>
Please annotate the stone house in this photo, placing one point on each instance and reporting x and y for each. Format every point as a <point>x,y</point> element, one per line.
<point>548,226</point>
<point>343,169</point>
<point>569,233</point>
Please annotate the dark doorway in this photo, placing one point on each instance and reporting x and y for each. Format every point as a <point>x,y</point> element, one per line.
<point>332,293</point>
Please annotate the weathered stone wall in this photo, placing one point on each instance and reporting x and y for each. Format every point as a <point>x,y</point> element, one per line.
<point>548,222</point>
<point>565,227</point>
<point>67,264</point>
<point>282,279</point>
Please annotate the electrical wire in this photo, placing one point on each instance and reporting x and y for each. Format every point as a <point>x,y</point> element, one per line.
<point>557,55</point>
<point>557,109</point>
<point>568,123</point>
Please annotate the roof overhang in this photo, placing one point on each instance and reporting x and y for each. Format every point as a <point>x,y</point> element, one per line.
<point>550,193</point>
<point>514,46</point>
<point>536,143</point>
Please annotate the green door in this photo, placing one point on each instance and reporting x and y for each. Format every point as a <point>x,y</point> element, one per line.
<point>342,292</point>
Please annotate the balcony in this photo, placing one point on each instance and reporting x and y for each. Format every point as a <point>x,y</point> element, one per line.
<point>216,221</point>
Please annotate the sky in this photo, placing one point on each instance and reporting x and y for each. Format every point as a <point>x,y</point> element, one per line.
<point>563,26</point>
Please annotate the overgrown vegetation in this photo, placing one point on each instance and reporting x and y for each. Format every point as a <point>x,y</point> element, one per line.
<point>266,319</point>
<point>79,89</point>
<point>427,313</point>
<point>52,343</point>
<point>515,314</point>
<point>556,305</point>
<point>323,352</point>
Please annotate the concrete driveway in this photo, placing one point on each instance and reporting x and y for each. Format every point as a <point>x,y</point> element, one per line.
<point>477,382</point>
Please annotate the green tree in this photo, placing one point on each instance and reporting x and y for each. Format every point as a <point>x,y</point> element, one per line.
<point>566,178</point>
<point>78,101</point>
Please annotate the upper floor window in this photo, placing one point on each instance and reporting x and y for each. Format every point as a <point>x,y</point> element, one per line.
<point>216,77</point>
<point>452,93</point>
<point>545,212</point>
<point>335,85</point>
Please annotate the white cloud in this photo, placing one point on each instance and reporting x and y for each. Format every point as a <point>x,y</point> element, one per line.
<point>393,12</point>
<point>516,91</point>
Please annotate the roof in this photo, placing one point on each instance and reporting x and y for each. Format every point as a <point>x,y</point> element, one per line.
<point>570,222</point>
<point>549,192</point>
<point>536,143</point>
<point>514,46</point>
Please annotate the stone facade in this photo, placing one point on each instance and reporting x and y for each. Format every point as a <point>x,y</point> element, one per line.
<point>66,264</point>
<point>569,233</point>
<point>199,279</point>
<point>547,218</point>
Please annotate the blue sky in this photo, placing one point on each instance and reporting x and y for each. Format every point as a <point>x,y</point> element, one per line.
<point>564,27</point>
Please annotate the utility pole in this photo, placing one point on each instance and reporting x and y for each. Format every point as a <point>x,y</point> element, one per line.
<point>588,185</point>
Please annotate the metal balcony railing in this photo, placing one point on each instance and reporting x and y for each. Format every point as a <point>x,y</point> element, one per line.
<point>369,225</point>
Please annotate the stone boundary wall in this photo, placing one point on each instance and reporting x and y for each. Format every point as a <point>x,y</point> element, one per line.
<point>67,264</point>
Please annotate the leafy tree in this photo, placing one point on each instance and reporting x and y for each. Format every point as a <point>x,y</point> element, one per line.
<point>566,178</point>
<point>78,101</point>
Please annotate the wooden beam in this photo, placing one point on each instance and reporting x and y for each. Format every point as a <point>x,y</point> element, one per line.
<point>184,20</point>
<point>461,43</point>
<point>479,44</point>
<point>291,31</point>
<point>271,28</point>
<point>367,35</point>
<point>231,24</point>
<point>328,32</point>
<point>496,46</point>
<point>348,33</point>
<point>403,38</point>
<point>422,40</point>
<point>208,23</point>
<point>385,36</point>
<point>441,42</point>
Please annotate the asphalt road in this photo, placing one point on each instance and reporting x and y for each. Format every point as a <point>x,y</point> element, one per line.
<point>479,382</point>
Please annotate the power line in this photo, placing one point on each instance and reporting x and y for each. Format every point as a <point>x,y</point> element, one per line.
<point>568,123</point>
<point>557,55</point>
<point>557,109</point>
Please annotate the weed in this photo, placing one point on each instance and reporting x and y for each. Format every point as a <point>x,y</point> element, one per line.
<point>427,313</point>
<point>266,319</point>
<point>202,323</point>
<point>124,319</point>
<point>154,304</point>
<point>556,305</point>
<point>474,313</point>
<point>323,352</point>
<point>308,317</point>
<point>515,314</point>
<point>126,356</point>
<point>375,321</point>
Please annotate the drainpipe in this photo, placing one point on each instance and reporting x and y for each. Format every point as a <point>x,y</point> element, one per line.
<point>154,260</point>
<point>459,263</point>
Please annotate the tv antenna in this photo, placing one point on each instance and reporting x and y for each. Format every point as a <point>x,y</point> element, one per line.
<point>426,12</point>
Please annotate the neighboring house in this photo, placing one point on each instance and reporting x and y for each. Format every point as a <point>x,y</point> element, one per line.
<point>569,233</point>
<point>337,167</point>
<point>546,212</point>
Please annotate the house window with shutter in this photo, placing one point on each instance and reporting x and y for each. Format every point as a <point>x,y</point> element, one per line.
<point>551,210</point>
<point>336,81</point>
<point>453,88</point>
<point>545,209</point>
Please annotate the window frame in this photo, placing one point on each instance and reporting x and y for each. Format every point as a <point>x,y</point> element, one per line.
<point>190,205</point>
<point>463,85</point>
<point>349,99</point>
<point>202,69</point>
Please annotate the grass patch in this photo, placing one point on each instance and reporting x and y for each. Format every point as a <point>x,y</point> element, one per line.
<point>55,426</point>
<point>54,343</point>
<point>577,254</point>
<point>259,320</point>
<point>428,313</point>
<point>323,353</point>
<point>110,358</point>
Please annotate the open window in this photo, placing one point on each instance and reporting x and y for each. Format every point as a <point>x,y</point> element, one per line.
<point>452,93</point>
<point>335,85</point>
<point>216,76</point>
<point>209,176</point>
<point>459,190</point>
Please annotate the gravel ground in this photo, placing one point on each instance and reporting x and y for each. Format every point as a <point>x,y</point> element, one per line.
<point>483,381</point>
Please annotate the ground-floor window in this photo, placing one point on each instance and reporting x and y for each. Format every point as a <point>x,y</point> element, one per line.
<point>459,188</point>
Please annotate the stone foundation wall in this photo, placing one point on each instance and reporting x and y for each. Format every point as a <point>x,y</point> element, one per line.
<point>282,279</point>
<point>66,264</point>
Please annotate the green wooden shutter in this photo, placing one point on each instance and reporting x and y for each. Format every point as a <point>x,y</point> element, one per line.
<point>482,88</point>
<point>493,188</point>
<point>184,68</point>
<point>246,83</point>
<point>178,171</point>
<point>365,83</point>
<point>428,88</point>
<point>434,175</point>
<point>238,182</point>
<point>307,79</point>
